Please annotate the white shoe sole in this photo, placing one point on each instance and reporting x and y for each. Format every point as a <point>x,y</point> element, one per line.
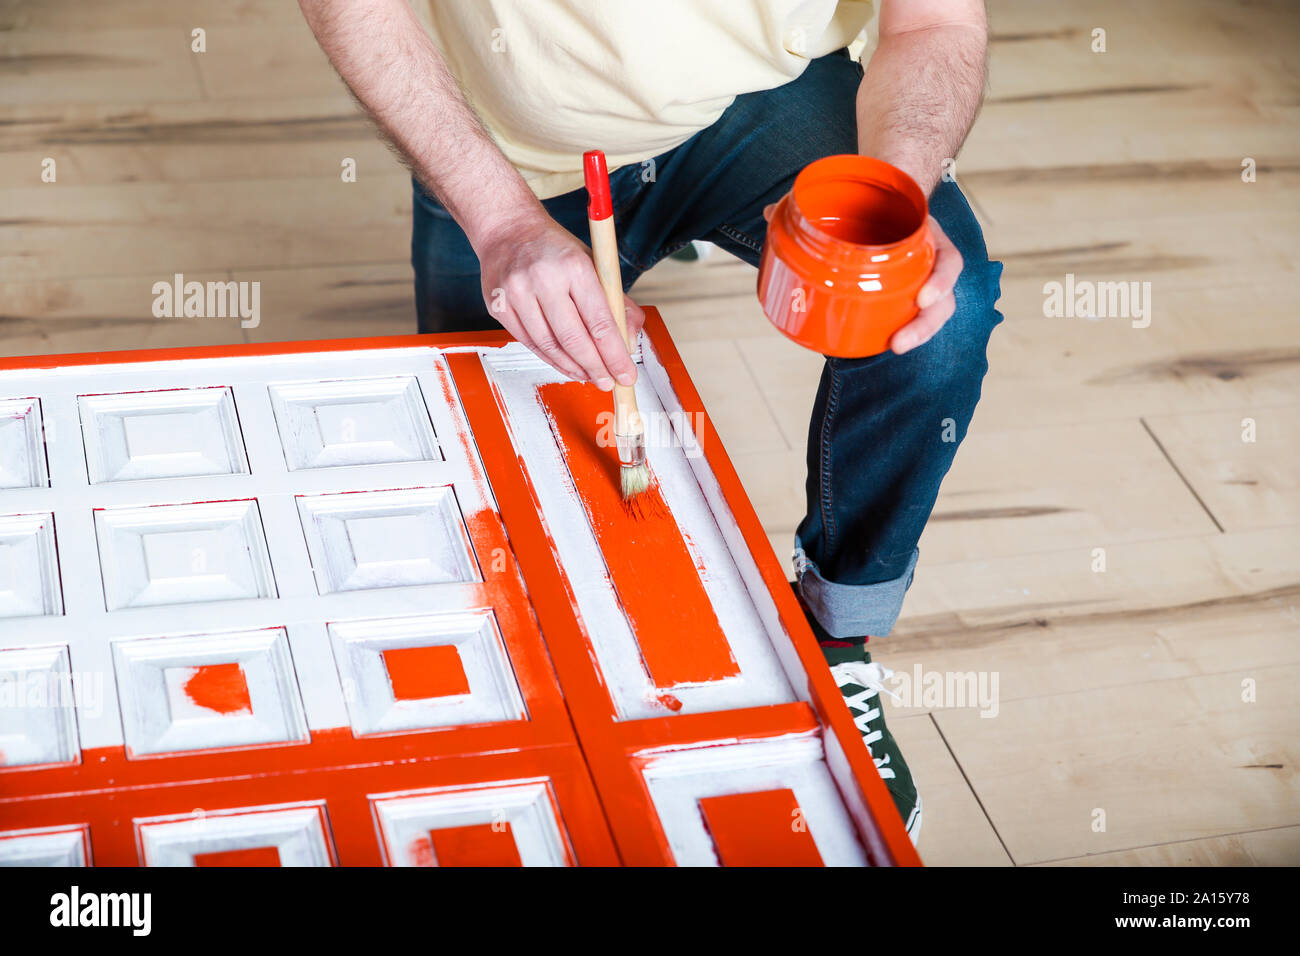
<point>913,822</point>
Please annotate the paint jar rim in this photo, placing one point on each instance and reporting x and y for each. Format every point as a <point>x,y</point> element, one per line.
<point>849,169</point>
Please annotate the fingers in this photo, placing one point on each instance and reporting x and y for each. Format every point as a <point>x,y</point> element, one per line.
<point>589,297</point>
<point>947,267</point>
<point>546,292</point>
<point>935,299</point>
<point>537,336</point>
<point>571,334</point>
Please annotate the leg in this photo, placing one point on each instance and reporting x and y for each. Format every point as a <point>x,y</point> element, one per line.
<point>884,429</point>
<point>883,434</point>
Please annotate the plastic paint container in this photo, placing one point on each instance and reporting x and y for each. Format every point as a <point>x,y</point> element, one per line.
<point>847,251</point>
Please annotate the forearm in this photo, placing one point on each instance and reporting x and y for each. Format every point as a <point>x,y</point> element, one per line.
<point>391,65</point>
<point>919,96</point>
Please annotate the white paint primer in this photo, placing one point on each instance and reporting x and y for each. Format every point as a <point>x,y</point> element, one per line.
<point>679,779</point>
<point>517,374</point>
<point>527,807</point>
<point>46,846</point>
<point>297,832</point>
<point>411,382</point>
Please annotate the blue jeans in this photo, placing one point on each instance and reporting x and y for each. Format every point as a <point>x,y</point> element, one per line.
<point>884,429</point>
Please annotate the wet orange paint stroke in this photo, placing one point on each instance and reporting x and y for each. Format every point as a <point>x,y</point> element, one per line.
<point>652,571</point>
<point>220,687</point>
<point>760,829</point>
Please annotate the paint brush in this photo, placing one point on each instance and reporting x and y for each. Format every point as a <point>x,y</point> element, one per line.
<point>629,429</point>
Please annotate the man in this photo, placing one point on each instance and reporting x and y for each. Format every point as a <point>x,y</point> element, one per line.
<point>707,110</point>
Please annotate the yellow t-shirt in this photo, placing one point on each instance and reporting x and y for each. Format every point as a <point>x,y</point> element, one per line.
<point>551,79</point>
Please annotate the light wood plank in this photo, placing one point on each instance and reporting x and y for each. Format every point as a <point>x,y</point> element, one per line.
<point>1245,483</point>
<point>954,830</point>
<point>77,65</point>
<point>1279,847</point>
<point>249,139</point>
<point>1177,760</point>
<point>734,399</point>
<point>61,231</point>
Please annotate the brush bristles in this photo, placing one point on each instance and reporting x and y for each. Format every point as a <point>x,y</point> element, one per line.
<point>634,479</point>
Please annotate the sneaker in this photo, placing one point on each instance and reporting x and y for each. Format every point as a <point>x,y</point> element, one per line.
<point>861,681</point>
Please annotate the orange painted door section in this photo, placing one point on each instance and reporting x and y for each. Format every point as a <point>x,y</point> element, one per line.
<point>653,574</point>
<point>401,671</point>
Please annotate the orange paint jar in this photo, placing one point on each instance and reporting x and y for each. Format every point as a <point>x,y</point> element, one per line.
<point>847,251</point>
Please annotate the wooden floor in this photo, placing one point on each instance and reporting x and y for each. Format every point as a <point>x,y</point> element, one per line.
<point>1122,735</point>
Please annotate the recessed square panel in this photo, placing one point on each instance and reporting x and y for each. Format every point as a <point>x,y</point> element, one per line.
<point>184,553</point>
<point>48,846</point>
<point>420,673</point>
<point>764,802</point>
<point>292,836</point>
<point>22,444</point>
<point>209,691</point>
<point>29,566</point>
<point>173,433</point>
<point>386,539</point>
<point>473,827</point>
<point>38,716</point>
<point>353,422</point>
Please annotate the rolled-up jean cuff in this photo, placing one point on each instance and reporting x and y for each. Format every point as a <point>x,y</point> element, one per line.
<point>852,610</point>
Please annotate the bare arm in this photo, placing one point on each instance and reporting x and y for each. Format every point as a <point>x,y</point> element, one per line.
<point>923,85</point>
<point>552,300</point>
<point>916,103</point>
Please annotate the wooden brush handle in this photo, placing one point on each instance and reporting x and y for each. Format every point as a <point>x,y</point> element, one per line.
<point>604,251</point>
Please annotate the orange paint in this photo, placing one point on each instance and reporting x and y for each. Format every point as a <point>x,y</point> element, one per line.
<point>419,673</point>
<point>652,572</point>
<point>253,856</point>
<point>760,829</point>
<point>483,844</point>
<point>220,687</point>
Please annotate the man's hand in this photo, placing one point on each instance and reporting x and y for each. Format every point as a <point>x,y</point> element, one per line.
<point>538,280</point>
<point>540,283</point>
<point>935,299</point>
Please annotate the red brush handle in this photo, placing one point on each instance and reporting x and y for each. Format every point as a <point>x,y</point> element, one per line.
<point>595,172</point>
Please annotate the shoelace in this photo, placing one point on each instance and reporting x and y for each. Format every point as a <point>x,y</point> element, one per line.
<point>871,678</point>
